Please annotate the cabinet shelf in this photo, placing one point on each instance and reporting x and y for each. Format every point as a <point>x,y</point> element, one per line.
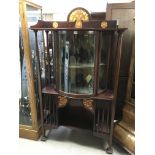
<point>81,66</point>
<point>106,95</point>
<point>84,65</point>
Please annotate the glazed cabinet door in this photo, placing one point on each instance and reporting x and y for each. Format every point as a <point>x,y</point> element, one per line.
<point>77,61</point>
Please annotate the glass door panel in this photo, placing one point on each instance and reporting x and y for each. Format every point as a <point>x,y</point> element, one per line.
<point>76,60</point>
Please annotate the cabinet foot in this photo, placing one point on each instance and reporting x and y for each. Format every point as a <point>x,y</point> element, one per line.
<point>109,150</point>
<point>44,138</point>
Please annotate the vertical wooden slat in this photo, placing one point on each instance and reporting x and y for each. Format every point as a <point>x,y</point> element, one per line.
<point>97,46</point>
<point>107,117</point>
<point>94,123</point>
<point>43,104</point>
<point>50,102</point>
<point>56,109</point>
<point>46,110</point>
<point>28,61</point>
<point>102,121</point>
<point>53,109</point>
<point>39,79</point>
<point>50,109</point>
<point>117,71</point>
<point>98,120</point>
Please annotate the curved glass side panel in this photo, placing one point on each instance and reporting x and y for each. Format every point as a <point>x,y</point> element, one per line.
<point>105,40</point>
<point>76,61</point>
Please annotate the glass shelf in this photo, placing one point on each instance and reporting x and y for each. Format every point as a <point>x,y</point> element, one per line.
<point>82,90</point>
<point>83,65</point>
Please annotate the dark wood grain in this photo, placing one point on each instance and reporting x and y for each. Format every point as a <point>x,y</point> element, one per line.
<point>49,90</point>
<point>93,25</point>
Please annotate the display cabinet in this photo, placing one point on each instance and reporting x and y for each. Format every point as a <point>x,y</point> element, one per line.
<point>29,112</point>
<point>82,63</point>
<point>124,130</point>
<point>124,13</point>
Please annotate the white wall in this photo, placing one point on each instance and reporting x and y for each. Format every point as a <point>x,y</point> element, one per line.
<point>64,6</point>
<point>61,8</point>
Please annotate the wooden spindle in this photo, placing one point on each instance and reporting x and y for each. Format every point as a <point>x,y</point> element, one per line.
<point>107,117</point>
<point>102,121</point>
<point>94,124</point>
<point>116,75</point>
<point>98,120</point>
<point>54,116</point>
<point>39,81</point>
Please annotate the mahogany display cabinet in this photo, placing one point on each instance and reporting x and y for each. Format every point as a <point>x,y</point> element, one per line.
<point>81,70</point>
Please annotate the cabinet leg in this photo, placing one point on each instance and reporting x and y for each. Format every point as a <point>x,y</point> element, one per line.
<point>109,150</point>
<point>43,137</point>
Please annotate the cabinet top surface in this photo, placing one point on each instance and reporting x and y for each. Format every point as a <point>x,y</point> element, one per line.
<point>106,25</point>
